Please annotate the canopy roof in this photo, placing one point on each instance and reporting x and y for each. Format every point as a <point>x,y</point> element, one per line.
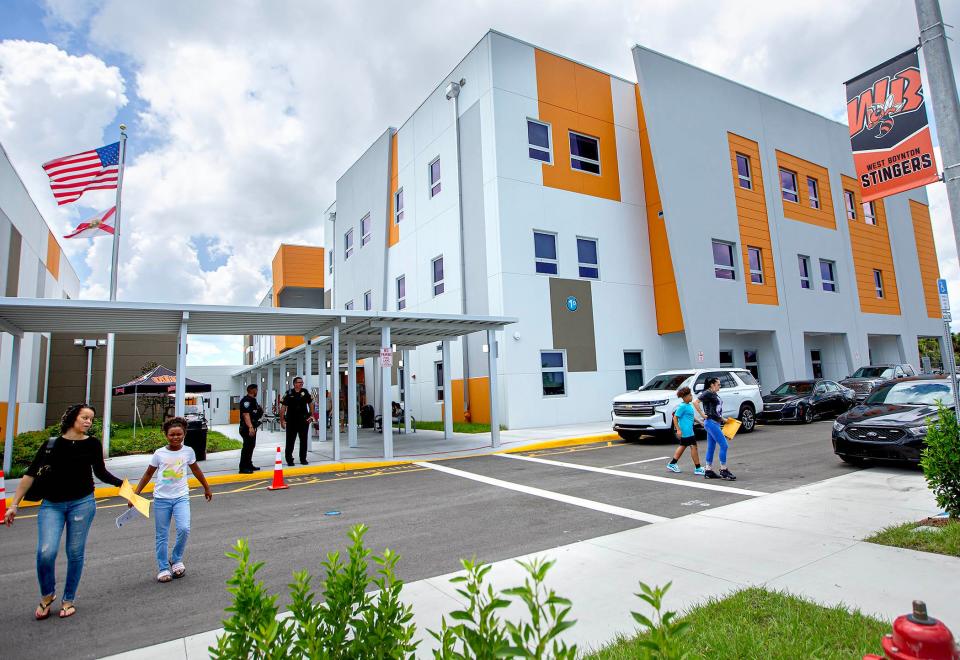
<point>158,380</point>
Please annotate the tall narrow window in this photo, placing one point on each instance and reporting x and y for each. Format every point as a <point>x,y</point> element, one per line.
<point>588,258</point>
<point>878,283</point>
<point>752,363</point>
<point>816,363</point>
<point>368,301</point>
<point>723,261</point>
<point>401,293</point>
<point>850,204</point>
<point>869,213</point>
<point>438,380</point>
<point>398,206</point>
<point>348,244</point>
<point>552,366</point>
<point>805,280</point>
<point>788,185</point>
<point>813,192</point>
<point>828,275</point>
<point>434,168</point>
<point>348,305</point>
<point>633,369</point>
<point>538,141</point>
<point>545,252</point>
<point>584,153</point>
<point>744,175</point>
<point>726,357</point>
<point>437,268</point>
<point>755,258</point>
<point>364,230</point>
<point>330,260</point>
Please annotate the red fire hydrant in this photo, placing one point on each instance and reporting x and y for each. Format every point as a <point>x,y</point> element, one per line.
<point>917,636</point>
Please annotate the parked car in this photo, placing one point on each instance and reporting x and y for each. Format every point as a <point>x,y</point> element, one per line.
<point>649,410</point>
<point>892,423</point>
<point>864,379</point>
<point>806,400</point>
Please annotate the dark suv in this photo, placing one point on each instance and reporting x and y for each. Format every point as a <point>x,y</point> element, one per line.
<point>865,379</point>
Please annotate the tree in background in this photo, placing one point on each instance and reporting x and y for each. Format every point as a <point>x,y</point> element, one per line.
<point>150,407</point>
<point>930,347</point>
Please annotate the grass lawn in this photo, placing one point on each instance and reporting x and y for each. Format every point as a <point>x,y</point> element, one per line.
<point>945,541</point>
<point>755,623</point>
<point>458,427</point>
<point>122,443</point>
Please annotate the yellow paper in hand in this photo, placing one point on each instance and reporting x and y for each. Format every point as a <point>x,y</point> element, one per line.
<point>730,428</point>
<point>141,504</point>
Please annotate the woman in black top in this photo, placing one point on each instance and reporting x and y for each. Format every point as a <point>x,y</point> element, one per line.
<point>68,501</point>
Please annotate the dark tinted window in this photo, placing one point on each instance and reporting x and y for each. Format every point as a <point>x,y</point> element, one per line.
<point>873,372</point>
<point>666,382</point>
<point>799,387</point>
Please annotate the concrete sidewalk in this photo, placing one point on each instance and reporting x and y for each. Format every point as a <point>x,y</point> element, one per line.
<point>805,540</point>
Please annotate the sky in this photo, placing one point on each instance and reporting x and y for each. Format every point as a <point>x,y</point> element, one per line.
<point>242,115</point>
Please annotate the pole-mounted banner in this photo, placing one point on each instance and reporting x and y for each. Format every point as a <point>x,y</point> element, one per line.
<point>889,134</point>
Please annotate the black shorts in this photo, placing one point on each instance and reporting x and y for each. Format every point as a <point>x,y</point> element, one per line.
<point>688,442</point>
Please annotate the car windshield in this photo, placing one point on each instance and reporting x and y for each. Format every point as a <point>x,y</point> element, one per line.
<point>873,372</point>
<point>800,387</point>
<point>916,393</point>
<point>192,410</point>
<point>665,382</point>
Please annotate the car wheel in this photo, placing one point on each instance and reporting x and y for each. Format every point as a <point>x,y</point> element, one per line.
<point>807,415</point>
<point>748,418</point>
<point>629,436</point>
<point>852,460</point>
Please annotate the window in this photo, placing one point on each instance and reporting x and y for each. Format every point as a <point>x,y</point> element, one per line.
<point>723,260</point>
<point>401,292</point>
<point>438,380</point>
<point>554,373</point>
<point>878,283</point>
<point>850,205</point>
<point>434,168</point>
<point>364,230</point>
<point>804,263</point>
<point>348,305</point>
<point>330,260</point>
<point>869,213</point>
<point>368,301</point>
<point>398,206</point>
<point>788,185</point>
<point>813,192</point>
<point>828,275</point>
<point>743,172</point>
<point>752,364</point>
<point>726,357</point>
<point>816,363</point>
<point>633,368</point>
<point>755,259</point>
<point>584,153</point>
<point>347,244</point>
<point>545,252</point>
<point>437,268</point>
<point>587,258</point>
<point>538,141</point>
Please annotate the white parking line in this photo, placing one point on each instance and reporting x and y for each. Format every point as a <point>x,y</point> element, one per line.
<point>646,460</point>
<point>635,475</point>
<point>546,494</point>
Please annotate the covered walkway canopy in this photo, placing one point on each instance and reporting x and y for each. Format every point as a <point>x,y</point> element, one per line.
<point>344,335</point>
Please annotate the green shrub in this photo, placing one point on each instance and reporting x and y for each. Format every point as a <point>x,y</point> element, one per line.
<point>663,637</point>
<point>941,461</point>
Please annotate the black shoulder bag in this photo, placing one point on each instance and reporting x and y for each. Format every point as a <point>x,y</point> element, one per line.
<point>41,482</point>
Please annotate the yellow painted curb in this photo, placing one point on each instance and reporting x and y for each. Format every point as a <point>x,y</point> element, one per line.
<point>564,442</point>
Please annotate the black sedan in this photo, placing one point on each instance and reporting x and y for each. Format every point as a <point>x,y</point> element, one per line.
<point>806,400</point>
<point>892,423</point>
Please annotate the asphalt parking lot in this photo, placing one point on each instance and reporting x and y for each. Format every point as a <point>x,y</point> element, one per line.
<point>492,507</point>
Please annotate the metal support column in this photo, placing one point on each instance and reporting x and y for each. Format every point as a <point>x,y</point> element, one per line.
<point>268,398</point>
<point>181,366</point>
<point>108,394</point>
<point>387,398</point>
<point>407,407</point>
<point>301,367</point>
<point>335,389</point>
<point>352,393</point>
<point>11,422</point>
<point>308,383</point>
<point>322,392</point>
<point>492,377</point>
<point>86,396</point>
<point>447,392</point>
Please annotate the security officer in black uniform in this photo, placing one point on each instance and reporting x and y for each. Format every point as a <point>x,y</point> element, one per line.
<point>296,413</point>
<point>250,414</point>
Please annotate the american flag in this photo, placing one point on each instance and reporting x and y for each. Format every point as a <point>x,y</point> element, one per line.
<point>71,176</point>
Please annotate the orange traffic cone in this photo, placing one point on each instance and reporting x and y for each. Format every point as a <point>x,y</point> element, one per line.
<point>3,497</point>
<point>278,483</point>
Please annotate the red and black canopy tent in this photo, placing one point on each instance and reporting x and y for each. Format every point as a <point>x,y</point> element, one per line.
<point>158,380</point>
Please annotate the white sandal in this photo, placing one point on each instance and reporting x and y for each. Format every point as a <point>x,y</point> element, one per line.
<point>178,569</point>
<point>164,576</point>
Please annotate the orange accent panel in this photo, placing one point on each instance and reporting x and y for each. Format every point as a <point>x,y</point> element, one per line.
<point>479,400</point>
<point>285,343</point>
<point>297,265</point>
<point>53,255</point>
<point>3,419</point>
<point>927,256</point>
<point>394,236</point>
<point>802,211</point>
<point>753,220</point>
<point>666,297</point>
<point>572,97</point>
<point>871,250</point>
<point>234,416</point>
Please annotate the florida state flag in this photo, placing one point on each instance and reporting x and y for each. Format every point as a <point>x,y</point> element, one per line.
<point>95,226</point>
<point>892,150</point>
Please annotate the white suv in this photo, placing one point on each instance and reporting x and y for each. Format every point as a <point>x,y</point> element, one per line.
<point>649,410</point>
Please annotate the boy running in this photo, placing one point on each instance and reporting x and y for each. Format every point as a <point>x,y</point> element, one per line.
<point>683,425</point>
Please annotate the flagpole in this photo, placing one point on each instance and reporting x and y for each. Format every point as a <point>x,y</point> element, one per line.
<point>108,370</point>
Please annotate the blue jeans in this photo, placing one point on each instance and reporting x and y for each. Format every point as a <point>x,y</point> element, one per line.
<point>163,509</point>
<point>77,515</point>
<point>715,437</point>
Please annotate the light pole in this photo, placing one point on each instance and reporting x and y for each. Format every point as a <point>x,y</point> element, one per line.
<point>90,345</point>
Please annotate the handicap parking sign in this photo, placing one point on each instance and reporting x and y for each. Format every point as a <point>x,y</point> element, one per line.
<point>944,298</point>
